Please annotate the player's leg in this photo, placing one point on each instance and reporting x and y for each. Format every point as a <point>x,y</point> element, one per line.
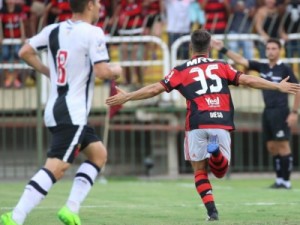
<point>272,149</point>
<point>195,144</point>
<point>286,162</point>
<point>284,149</point>
<point>125,53</point>
<point>62,153</point>
<point>36,190</point>
<point>268,137</point>
<point>137,54</point>
<point>279,148</point>
<point>219,147</point>
<point>85,176</point>
<point>204,188</point>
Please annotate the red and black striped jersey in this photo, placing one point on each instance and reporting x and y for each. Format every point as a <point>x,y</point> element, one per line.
<point>204,83</point>
<point>11,22</point>
<point>216,16</point>
<point>64,6</point>
<point>131,15</point>
<point>153,8</point>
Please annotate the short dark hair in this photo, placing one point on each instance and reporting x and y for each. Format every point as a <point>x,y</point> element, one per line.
<point>78,6</point>
<point>276,41</point>
<point>200,41</point>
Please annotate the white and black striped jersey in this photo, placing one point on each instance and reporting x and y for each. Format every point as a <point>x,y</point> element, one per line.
<point>73,49</point>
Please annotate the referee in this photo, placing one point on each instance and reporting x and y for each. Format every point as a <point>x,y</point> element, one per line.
<point>277,117</point>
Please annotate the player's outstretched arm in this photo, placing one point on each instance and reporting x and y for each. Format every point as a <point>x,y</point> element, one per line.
<point>143,93</point>
<point>260,83</point>
<point>29,55</point>
<point>237,58</point>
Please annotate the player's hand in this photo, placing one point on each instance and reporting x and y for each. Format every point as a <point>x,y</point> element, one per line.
<point>216,44</point>
<point>292,119</point>
<point>118,99</point>
<point>287,87</point>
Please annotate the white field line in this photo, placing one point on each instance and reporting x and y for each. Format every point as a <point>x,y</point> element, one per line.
<point>7,208</point>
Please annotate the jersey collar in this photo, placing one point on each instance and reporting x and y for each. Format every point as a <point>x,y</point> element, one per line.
<point>200,55</point>
<point>279,62</point>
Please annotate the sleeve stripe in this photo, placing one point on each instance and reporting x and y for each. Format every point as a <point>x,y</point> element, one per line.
<point>100,61</point>
<point>165,86</point>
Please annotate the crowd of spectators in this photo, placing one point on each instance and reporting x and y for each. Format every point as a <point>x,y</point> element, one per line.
<point>21,19</point>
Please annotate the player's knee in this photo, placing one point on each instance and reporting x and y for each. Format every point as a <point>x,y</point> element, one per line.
<point>60,172</point>
<point>100,162</point>
<point>57,167</point>
<point>99,159</point>
<point>219,175</point>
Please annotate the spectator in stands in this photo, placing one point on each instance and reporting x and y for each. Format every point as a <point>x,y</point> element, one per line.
<point>204,83</point>
<point>279,3</point>
<point>277,118</point>
<point>291,25</point>
<point>178,23</point>
<point>130,23</point>
<point>153,10</point>
<point>105,14</point>
<point>242,23</point>
<point>62,10</point>
<point>267,21</point>
<point>39,11</point>
<point>26,4</point>
<point>217,14</point>
<point>197,15</point>
<point>11,16</point>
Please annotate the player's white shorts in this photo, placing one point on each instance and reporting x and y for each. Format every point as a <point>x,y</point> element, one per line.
<point>195,143</point>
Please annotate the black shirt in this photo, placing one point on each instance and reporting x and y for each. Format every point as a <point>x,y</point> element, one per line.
<point>274,99</point>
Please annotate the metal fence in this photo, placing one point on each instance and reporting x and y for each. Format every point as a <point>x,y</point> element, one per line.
<point>142,130</point>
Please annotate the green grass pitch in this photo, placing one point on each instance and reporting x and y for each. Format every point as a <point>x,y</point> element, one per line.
<point>166,202</point>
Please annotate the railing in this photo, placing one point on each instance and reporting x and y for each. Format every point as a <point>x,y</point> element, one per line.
<point>228,37</point>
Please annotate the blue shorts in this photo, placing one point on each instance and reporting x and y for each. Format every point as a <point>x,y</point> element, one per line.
<point>9,53</point>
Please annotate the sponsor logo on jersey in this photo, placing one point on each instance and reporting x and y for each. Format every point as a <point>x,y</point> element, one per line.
<point>209,192</point>
<point>101,47</point>
<point>280,134</point>
<point>216,115</point>
<point>213,102</point>
<point>271,77</point>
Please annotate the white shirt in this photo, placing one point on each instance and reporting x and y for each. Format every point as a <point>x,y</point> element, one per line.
<point>178,20</point>
<point>73,49</point>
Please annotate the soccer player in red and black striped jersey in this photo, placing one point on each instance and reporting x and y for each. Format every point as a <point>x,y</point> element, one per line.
<point>204,83</point>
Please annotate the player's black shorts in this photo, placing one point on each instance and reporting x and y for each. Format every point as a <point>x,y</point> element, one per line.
<point>69,140</point>
<point>275,127</point>
<point>151,19</point>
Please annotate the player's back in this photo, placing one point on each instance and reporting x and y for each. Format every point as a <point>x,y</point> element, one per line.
<point>72,80</point>
<point>204,83</point>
